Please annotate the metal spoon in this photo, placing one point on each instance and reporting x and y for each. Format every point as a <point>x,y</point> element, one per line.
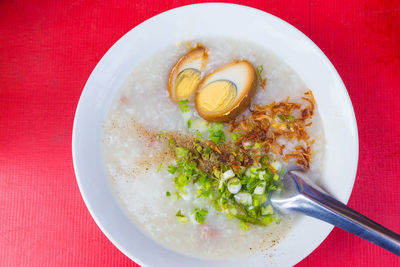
<point>302,195</point>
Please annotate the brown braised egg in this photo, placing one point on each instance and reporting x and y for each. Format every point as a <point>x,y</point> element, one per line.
<point>226,92</point>
<point>185,76</point>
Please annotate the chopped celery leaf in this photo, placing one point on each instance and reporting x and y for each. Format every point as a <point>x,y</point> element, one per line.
<point>184,105</point>
<point>217,134</point>
<point>200,215</point>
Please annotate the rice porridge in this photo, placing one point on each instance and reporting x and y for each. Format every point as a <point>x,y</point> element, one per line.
<point>137,153</point>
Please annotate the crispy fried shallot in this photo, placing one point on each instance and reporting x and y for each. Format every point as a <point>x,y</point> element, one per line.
<point>279,121</point>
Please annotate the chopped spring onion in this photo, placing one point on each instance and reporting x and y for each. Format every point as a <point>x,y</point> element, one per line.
<point>234,185</point>
<point>266,210</point>
<point>243,198</point>
<point>159,167</point>
<point>181,152</point>
<point>261,175</point>
<point>228,174</point>
<point>264,160</point>
<point>253,173</point>
<point>198,136</point>
<point>260,189</point>
<point>181,218</point>
<point>247,172</point>
<point>241,194</point>
<point>276,165</point>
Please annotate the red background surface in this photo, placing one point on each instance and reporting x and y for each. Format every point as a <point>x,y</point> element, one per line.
<point>47,52</point>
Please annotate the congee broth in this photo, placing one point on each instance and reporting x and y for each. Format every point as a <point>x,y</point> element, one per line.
<point>198,137</point>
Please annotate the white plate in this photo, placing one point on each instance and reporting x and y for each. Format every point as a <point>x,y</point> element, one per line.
<point>187,23</point>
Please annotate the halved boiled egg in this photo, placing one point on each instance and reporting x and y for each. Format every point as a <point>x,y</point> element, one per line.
<point>227,92</point>
<point>185,76</point>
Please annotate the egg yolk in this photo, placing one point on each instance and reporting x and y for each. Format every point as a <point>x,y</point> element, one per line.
<point>186,82</point>
<point>217,96</point>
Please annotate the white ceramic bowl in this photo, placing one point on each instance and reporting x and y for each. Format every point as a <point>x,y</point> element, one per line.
<point>185,23</point>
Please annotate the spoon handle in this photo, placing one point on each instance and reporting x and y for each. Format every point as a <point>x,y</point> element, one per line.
<point>318,204</point>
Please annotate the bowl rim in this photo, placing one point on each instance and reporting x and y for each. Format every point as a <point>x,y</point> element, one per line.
<point>167,13</point>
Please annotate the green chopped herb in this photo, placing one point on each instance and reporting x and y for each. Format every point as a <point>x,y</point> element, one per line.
<point>184,105</point>
<point>233,211</point>
<point>259,73</point>
<point>264,161</point>
<point>172,169</point>
<point>291,118</point>
<point>252,212</point>
<point>181,152</point>
<point>159,167</point>
<point>217,134</point>
<point>261,199</point>
<point>281,117</point>
<point>178,196</point>
<point>199,148</point>
<point>168,194</point>
<point>244,226</point>
<point>171,142</point>
<point>271,187</point>
<point>234,181</point>
<point>235,136</point>
<point>268,219</point>
<point>276,177</point>
<point>181,181</point>
<point>267,210</point>
<point>217,126</point>
<point>199,215</point>
<point>268,174</point>
<point>217,173</point>
<point>257,145</point>
<point>189,123</point>
<point>287,126</point>
<point>256,202</point>
<point>248,219</point>
<point>181,218</point>
<point>198,136</point>
<point>161,134</point>
<point>253,172</point>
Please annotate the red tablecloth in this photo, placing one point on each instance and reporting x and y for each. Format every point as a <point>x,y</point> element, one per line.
<point>47,52</point>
